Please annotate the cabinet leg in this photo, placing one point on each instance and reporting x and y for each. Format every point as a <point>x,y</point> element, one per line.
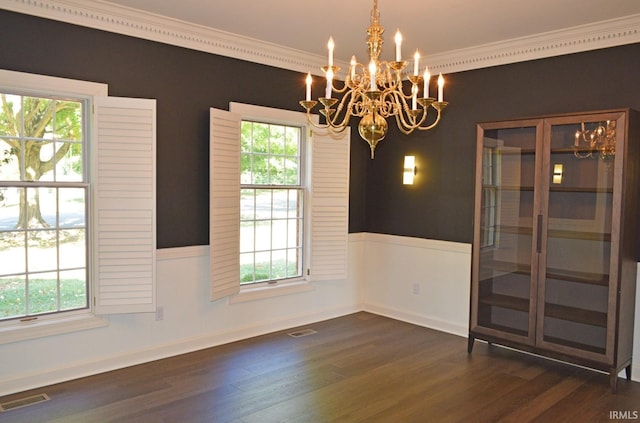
<point>627,371</point>
<point>613,381</point>
<point>470,344</point>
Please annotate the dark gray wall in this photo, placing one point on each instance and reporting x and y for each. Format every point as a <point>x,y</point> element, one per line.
<point>440,206</point>
<point>187,83</point>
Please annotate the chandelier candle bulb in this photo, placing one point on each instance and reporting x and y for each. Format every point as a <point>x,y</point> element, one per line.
<point>414,100</point>
<point>353,67</point>
<point>308,86</point>
<point>416,63</point>
<point>440,88</point>
<point>398,46</point>
<point>427,77</point>
<point>330,46</point>
<point>329,83</point>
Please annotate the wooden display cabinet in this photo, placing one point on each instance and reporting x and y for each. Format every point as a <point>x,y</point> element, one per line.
<point>555,237</point>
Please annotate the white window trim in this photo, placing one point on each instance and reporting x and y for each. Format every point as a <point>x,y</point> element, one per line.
<point>54,324</point>
<point>50,324</point>
<point>330,240</point>
<point>266,290</point>
<point>286,286</point>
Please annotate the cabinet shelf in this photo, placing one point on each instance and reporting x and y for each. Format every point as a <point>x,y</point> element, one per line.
<point>557,311</point>
<point>507,267</point>
<point>557,233</point>
<point>580,277</point>
<point>525,188</point>
<point>518,230</point>
<point>517,151</point>
<point>571,150</point>
<point>574,314</point>
<point>506,329</point>
<point>575,345</point>
<point>505,301</point>
<point>592,190</point>
<point>551,273</point>
<point>582,235</point>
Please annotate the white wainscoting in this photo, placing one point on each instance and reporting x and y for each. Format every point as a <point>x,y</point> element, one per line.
<point>384,271</point>
<point>421,281</point>
<point>191,322</point>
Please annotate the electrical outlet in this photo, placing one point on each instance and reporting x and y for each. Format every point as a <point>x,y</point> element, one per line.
<point>415,288</point>
<point>159,313</point>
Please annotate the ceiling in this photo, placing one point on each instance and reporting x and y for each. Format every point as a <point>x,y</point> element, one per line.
<point>431,26</point>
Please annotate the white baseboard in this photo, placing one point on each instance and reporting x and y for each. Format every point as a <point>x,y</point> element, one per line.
<point>106,364</point>
<point>132,358</point>
<point>420,320</point>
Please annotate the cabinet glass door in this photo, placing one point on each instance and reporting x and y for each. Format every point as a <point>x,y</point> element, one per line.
<point>574,296</point>
<point>504,231</point>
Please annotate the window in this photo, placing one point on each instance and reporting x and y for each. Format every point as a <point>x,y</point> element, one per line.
<point>77,205</point>
<point>271,202</point>
<point>43,205</point>
<point>294,207</point>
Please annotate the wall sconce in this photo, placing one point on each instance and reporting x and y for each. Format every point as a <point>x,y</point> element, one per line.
<point>557,173</point>
<point>409,170</point>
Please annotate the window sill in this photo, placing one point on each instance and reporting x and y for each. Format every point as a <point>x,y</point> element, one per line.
<point>22,331</point>
<point>269,291</point>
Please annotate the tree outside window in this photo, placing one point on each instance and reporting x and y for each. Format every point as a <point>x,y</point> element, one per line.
<point>43,191</point>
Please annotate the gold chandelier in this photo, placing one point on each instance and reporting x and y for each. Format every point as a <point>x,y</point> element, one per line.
<point>375,92</point>
<point>601,139</point>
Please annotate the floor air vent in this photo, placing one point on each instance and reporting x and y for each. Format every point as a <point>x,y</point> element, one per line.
<point>23,402</point>
<point>302,332</point>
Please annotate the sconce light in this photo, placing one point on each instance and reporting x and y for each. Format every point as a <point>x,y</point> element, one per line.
<point>409,170</point>
<point>557,173</point>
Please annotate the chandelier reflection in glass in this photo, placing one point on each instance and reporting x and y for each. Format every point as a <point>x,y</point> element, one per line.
<point>375,92</point>
<point>601,139</point>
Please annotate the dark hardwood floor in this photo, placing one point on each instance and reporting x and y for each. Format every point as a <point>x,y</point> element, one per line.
<point>357,368</point>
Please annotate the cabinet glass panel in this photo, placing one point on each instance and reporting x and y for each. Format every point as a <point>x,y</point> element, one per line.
<point>506,222</point>
<point>579,235</point>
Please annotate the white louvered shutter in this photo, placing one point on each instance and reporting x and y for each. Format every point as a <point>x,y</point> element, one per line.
<point>224,223</point>
<point>124,164</point>
<point>329,207</point>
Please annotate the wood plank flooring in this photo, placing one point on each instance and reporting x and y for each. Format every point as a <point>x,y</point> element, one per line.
<point>356,368</point>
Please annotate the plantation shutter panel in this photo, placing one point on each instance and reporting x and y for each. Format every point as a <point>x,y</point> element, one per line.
<point>329,207</point>
<point>124,165</point>
<point>224,223</point>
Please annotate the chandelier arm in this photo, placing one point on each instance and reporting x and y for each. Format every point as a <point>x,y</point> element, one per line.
<point>316,125</point>
<point>344,88</point>
<point>404,126</point>
<point>406,96</point>
<point>433,125</point>
<point>335,121</point>
<point>406,123</point>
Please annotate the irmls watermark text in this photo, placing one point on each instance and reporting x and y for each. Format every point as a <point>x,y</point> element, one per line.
<point>624,415</point>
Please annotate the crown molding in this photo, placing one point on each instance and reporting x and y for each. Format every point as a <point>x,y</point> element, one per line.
<point>106,16</point>
<point>135,23</point>
<point>603,34</point>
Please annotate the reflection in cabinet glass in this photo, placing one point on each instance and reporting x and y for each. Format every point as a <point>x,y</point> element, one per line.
<point>554,258</point>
